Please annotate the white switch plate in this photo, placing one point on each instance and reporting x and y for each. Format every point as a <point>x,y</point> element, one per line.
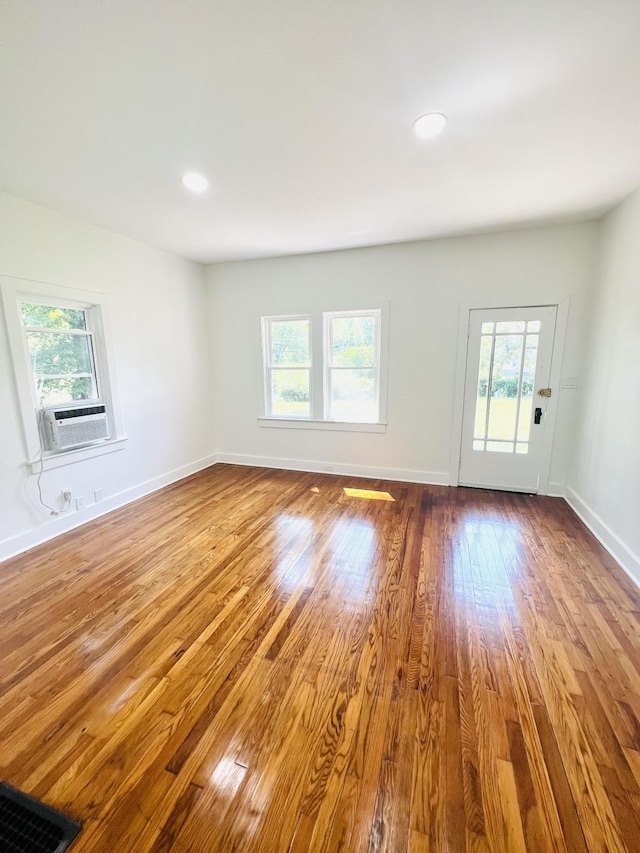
<point>570,382</point>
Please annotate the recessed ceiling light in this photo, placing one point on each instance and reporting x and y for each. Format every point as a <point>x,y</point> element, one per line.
<point>429,125</point>
<point>195,182</point>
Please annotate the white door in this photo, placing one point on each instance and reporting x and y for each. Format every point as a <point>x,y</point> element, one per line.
<point>508,366</point>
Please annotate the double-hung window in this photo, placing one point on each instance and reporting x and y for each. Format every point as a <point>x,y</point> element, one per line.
<point>62,358</point>
<point>325,368</point>
<point>287,359</point>
<point>352,366</point>
<point>61,352</point>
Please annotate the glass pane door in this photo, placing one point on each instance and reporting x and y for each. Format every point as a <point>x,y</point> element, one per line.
<point>506,374</point>
<point>506,396</point>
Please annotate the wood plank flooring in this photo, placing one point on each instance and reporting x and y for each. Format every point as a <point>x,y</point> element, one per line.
<point>254,660</point>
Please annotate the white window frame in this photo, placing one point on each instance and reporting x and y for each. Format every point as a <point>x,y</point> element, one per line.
<point>17,291</point>
<point>327,334</point>
<point>318,419</point>
<point>267,352</point>
<point>87,332</point>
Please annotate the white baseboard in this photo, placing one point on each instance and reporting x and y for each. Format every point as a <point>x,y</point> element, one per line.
<point>623,555</point>
<point>556,490</point>
<point>370,472</point>
<point>63,523</point>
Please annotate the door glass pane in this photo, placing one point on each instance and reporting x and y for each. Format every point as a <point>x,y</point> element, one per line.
<point>353,395</point>
<point>504,393</point>
<point>528,378</point>
<point>480,425</point>
<point>290,343</point>
<point>505,381</point>
<point>509,326</point>
<point>290,397</point>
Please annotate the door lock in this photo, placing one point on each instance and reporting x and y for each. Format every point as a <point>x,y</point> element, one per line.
<point>544,392</point>
<point>537,416</point>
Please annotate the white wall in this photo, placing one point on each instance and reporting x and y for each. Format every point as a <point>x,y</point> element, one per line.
<point>160,339</point>
<point>604,484</point>
<point>425,282</point>
<point>188,337</point>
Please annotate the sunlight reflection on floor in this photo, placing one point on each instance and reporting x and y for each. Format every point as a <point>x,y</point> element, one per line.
<point>368,494</point>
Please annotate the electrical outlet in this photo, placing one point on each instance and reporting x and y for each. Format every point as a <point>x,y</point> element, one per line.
<point>67,496</point>
<point>80,503</point>
<point>98,495</point>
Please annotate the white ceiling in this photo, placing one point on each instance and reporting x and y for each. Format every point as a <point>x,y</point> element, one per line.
<point>300,111</point>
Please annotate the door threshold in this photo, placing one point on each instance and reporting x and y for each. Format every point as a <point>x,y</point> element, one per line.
<point>487,488</point>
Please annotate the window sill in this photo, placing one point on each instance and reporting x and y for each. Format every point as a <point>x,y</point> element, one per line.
<point>308,423</point>
<point>67,457</point>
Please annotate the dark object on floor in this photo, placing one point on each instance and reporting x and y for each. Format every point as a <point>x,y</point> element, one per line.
<point>28,826</point>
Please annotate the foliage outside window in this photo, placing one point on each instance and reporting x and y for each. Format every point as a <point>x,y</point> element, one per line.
<point>352,356</point>
<point>342,382</point>
<point>61,356</point>
<point>288,366</point>
<point>61,353</point>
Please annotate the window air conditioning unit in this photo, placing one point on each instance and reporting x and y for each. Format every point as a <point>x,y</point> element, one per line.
<point>65,429</point>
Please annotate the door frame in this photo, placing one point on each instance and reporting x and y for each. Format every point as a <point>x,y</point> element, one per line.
<point>464,320</point>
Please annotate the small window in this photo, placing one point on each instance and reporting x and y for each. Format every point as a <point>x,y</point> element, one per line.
<point>61,353</point>
<point>61,356</point>
<point>287,345</point>
<point>352,365</point>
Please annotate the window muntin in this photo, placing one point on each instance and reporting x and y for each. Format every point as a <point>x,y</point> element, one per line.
<point>91,306</point>
<point>287,354</point>
<point>506,374</point>
<point>60,345</point>
<point>352,366</point>
<point>323,367</point>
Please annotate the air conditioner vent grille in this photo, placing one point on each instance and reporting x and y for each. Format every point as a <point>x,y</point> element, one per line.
<point>75,432</point>
<point>67,428</point>
<point>63,414</point>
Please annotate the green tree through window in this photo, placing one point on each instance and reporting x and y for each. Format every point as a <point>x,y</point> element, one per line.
<point>61,353</point>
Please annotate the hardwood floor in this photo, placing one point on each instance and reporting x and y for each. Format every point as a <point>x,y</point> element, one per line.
<point>253,660</point>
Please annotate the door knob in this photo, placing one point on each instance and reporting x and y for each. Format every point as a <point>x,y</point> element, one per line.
<point>537,416</point>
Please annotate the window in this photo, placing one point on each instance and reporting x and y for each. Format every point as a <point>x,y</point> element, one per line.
<point>325,368</point>
<point>61,356</point>
<point>352,357</point>
<point>61,352</point>
<point>288,366</point>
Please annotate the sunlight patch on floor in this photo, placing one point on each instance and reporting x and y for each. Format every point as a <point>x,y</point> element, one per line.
<point>368,494</point>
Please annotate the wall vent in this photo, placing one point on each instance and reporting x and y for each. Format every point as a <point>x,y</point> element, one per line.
<point>28,825</point>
